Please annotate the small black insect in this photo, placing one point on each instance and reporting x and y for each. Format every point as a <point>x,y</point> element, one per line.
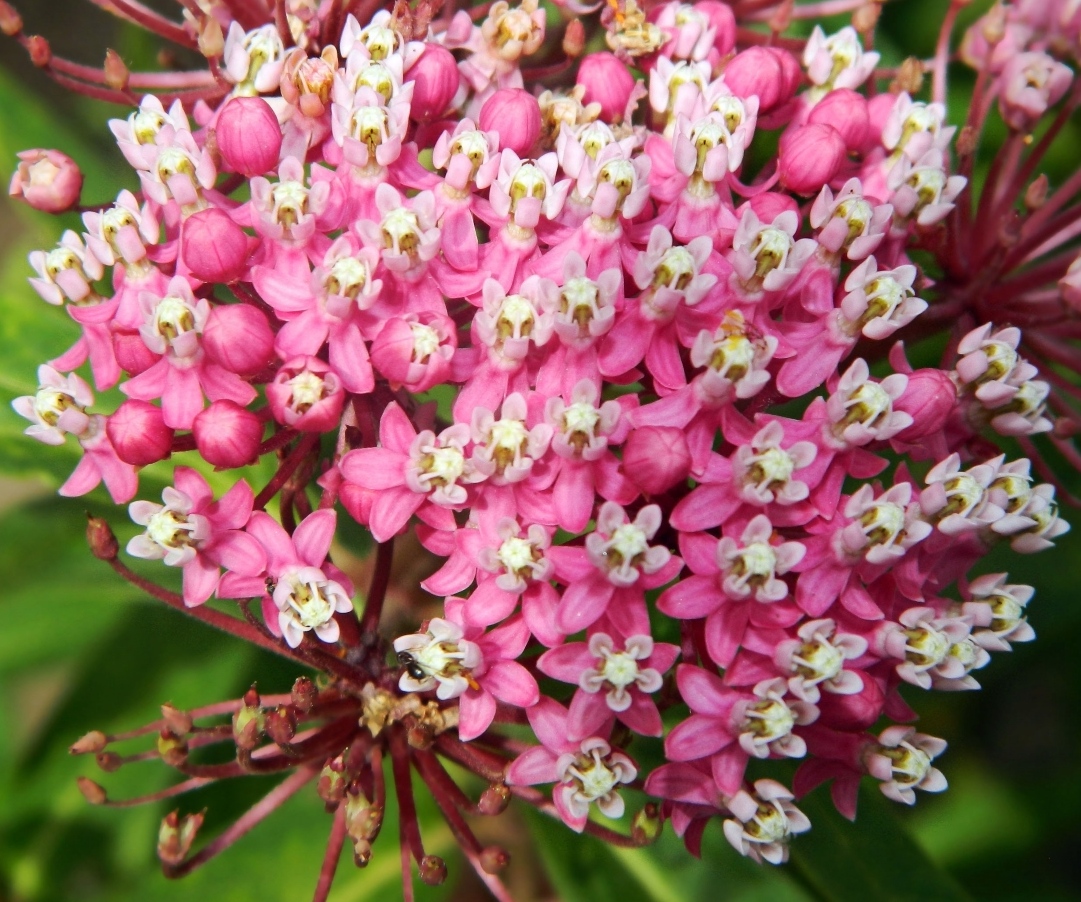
<point>412,667</point>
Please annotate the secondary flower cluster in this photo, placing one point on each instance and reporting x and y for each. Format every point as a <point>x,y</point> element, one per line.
<point>615,377</point>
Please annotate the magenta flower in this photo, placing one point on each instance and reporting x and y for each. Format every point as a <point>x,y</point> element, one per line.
<point>613,683</point>
<point>585,772</point>
<point>197,534</point>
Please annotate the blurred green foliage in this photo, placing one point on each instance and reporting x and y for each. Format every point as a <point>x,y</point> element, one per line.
<point>80,650</point>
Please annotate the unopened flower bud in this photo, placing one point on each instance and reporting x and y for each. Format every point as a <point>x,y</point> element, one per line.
<point>607,81</point>
<point>138,433</point>
<point>494,859</point>
<point>211,38</point>
<point>176,835</point>
<point>1070,286</point>
<point>227,435</point>
<point>90,744</point>
<point>646,827</point>
<point>363,820</point>
<point>770,74</point>
<point>93,792</point>
<point>515,115</point>
<point>494,800</point>
<point>179,722</point>
<point>433,870</point>
<point>865,18</point>
<point>41,53</point>
<point>173,749</point>
<point>909,78</point>
<point>656,458</point>
<point>108,761</point>
<point>281,724</point>
<point>928,399</point>
<point>116,72</point>
<point>574,38</point>
<point>213,247</point>
<point>810,156</point>
<point>11,23</point>
<point>100,538</point>
<point>769,205</point>
<point>249,136</point>
<point>238,337</point>
<point>846,111</point>
<point>435,82</point>
<point>304,694</point>
<point>723,20</point>
<point>47,180</point>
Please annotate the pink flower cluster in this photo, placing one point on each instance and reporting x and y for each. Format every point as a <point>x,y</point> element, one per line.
<point>618,384</point>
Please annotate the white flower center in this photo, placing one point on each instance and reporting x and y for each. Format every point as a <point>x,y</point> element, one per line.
<point>310,602</point>
<point>770,719</point>
<point>770,250</point>
<point>49,403</point>
<point>368,124</point>
<point>401,231</point>
<point>347,277</point>
<point>620,669</point>
<point>145,125</point>
<point>770,468</point>
<point>528,181</point>
<point>516,317</point>
<point>883,523</point>
<point>425,342</point>
<point>517,555</point>
<point>818,661</point>
<point>754,564</point>
<point>594,777</point>
<point>290,203</point>
<point>909,764</point>
<point>172,317</point>
<point>676,270</point>
<point>308,390</point>
<point>441,466</point>
<point>171,529</point>
<point>926,647</point>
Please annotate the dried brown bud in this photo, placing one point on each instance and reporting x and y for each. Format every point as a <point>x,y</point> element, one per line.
<point>574,38</point>
<point>11,23</point>
<point>211,38</point>
<point>493,859</point>
<point>41,53</point>
<point>433,870</point>
<point>332,783</point>
<point>420,736</point>
<point>494,800</point>
<point>281,724</point>
<point>178,721</point>
<point>100,538</point>
<point>363,820</point>
<point>90,744</point>
<point>994,24</point>
<point>305,694</point>
<point>176,835</point>
<point>1036,193</point>
<point>967,139</point>
<point>865,18</point>
<point>251,697</point>
<point>116,73</point>
<point>172,748</point>
<point>646,826</point>
<point>109,761</point>
<point>93,792</point>
<point>362,853</point>
<point>909,77</point>
<point>248,725</point>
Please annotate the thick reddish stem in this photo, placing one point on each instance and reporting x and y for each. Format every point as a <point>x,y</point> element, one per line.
<point>331,856</point>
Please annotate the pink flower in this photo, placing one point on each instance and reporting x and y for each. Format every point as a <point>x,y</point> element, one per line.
<point>613,682</point>
<point>47,180</point>
<point>306,591</point>
<point>585,772</point>
<point>197,534</point>
<point>479,671</point>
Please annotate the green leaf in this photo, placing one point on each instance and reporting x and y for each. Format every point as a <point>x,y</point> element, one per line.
<point>875,858</point>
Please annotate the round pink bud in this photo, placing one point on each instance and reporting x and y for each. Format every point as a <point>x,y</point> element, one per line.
<point>47,180</point>
<point>227,435</point>
<point>767,73</point>
<point>723,20</point>
<point>769,205</point>
<point>213,247</point>
<point>846,111</point>
<point>248,135</point>
<point>929,399</point>
<point>515,115</point>
<point>435,82</point>
<point>132,353</point>
<point>879,109</point>
<point>810,156</point>
<point>607,81</point>
<point>238,337</point>
<point>656,458</point>
<point>307,395</point>
<point>138,433</point>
